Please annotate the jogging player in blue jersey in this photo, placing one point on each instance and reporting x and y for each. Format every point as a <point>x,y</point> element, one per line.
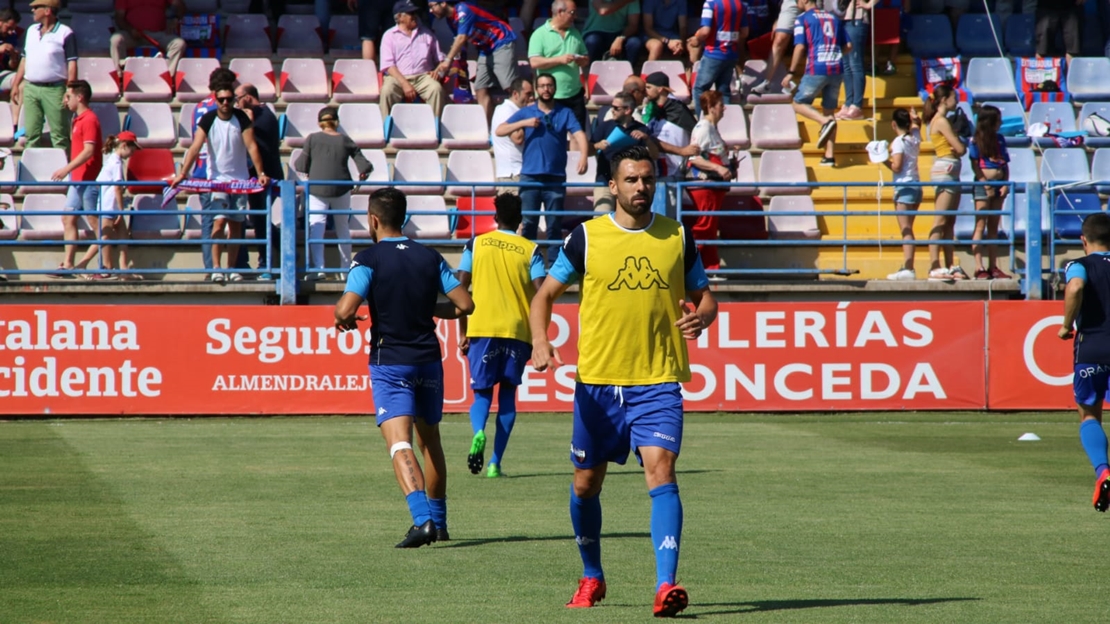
<point>1087,320</point>
<point>401,280</point>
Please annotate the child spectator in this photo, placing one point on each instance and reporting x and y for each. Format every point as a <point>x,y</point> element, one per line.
<point>991,162</point>
<point>903,162</point>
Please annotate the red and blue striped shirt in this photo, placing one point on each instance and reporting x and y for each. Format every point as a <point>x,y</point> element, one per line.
<point>487,31</point>
<point>725,20</point>
<point>824,37</point>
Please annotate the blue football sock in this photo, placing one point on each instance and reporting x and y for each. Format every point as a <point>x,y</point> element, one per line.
<point>418,506</point>
<point>506,418</point>
<point>438,508</point>
<point>666,531</point>
<point>479,409</point>
<point>1094,442</point>
<point>585,517</point>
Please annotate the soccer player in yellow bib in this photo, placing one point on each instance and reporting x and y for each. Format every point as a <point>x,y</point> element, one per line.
<point>635,268</point>
<point>505,270</point>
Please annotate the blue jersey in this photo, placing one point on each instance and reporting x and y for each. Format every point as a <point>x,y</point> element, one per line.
<point>724,19</point>
<point>824,38</point>
<point>484,29</point>
<point>1092,326</point>
<point>401,281</point>
<point>545,146</point>
<point>998,162</point>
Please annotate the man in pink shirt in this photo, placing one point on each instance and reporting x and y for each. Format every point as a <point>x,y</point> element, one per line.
<point>144,23</point>
<point>409,55</point>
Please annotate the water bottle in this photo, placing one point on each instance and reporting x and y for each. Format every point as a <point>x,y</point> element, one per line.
<point>1059,127</point>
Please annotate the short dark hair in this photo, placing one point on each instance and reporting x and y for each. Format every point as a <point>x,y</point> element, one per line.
<point>219,76</point>
<point>518,84</point>
<point>1096,229</point>
<point>625,97</point>
<point>82,88</point>
<point>636,152</point>
<point>389,206</point>
<point>508,207</point>
<point>551,76</point>
<point>8,15</point>
<point>901,118</point>
<point>223,86</point>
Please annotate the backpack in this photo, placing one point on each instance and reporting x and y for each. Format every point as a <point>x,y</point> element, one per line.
<point>1096,125</point>
<point>961,125</point>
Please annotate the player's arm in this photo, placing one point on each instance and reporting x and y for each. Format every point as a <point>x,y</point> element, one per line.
<point>702,315</point>
<point>199,139</point>
<point>539,317</point>
<point>1076,274</point>
<point>346,312</point>
<point>464,322</point>
<point>459,303</point>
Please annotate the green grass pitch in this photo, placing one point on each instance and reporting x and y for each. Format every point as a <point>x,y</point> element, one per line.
<point>881,518</point>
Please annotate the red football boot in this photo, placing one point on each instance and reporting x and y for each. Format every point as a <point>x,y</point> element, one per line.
<point>590,592</point>
<point>669,600</point>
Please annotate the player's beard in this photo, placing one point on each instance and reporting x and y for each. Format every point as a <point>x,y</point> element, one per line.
<point>631,207</point>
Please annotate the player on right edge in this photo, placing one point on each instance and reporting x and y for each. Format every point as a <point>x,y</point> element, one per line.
<point>635,269</point>
<point>1087,308</point>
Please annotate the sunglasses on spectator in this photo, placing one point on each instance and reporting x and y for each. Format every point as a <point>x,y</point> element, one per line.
<point>225,100</point>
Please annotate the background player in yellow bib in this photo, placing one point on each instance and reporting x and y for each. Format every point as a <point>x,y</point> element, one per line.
<point>635,268</point>
<point>505,270</point>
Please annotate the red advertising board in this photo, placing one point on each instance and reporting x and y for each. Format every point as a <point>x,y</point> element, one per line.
<point>289,360</point>
<point>1030,367</point>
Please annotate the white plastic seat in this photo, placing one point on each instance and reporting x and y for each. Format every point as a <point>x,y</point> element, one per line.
<point>421,225</point>
<point>379,174</point>
<point>734,127</point>
<point>192,78</point>
<point>299,121</point>
<point>470,166</point>
<point>154,226</point>
<point>1087,79</point>
<point>146,79</point>
<point>258,72</point>
<point>607,78</point>
<point>102,76</point>
<point>247,35</point>
<point>413,127</point>
<point>345,42</point>
<point>192,222</point>
<point>7,125</point>
<point>153,124</point>
<point>92,31</point>
<point>37,164</point>
<point>752,75</point>
<point>304,80</point>
<point>1102,109</point>
<point>363,123</point>
<point>355,80</point>
<point>1060,116</point>
<point>9,218</point>
<point>359,224</point>
<point>774,126</point>
<point>676,71</point>
<point>464,126</point>
<point>589,177</point>
<point>990,78</point>
<point>185,125</point>
<point>792,226</point>
<point>745,173</point>
<point>34,225</point>
<point>410,165</point>
<point>783,166</point>
<point>299,35</point>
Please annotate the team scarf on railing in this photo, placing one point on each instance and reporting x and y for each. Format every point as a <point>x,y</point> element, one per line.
<point>199,185</point>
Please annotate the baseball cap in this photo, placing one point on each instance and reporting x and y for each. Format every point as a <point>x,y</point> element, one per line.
<point>659,79</point>
<point>404,6</point>
<point>328,112</point>
<point>52,4</point>
<point>128,137</point>
<point>878,151</point>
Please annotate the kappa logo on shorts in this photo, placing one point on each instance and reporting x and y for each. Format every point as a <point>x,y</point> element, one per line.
<point>381,410</point>
<point>664,436</point>
<point>578,453</point>
<point>669,543</point>
<point>638,274</point>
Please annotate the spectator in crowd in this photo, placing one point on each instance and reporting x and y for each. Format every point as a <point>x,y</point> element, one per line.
<point>946,169</point>
<point>373,19</point>
<point>267,136</point>
<point>229,135</point>
<point>493,38</point>
<point>1055,18</point>
<point>545,125</point>
<point>671,123</point>
<point>508,151</point>
<point>143,23</point>
<point>991,162</point>
<point>409,58</point>
<point>857,25</point>
<point>84,163</point>
<point>608,142</point>
<point>665,28</point>
<point>117,149</point>
<point>613,28</point>
<point>49,63</point>
<point>557,48</point>
<point>219,76</point>
<point>904,150</point>
<point>633,86</point>
<point>782,41</point>
<point>711,164</point>
<point>819,40</point>
<point>324,157</point>
<point>9,52</point>
<point>723,33</point>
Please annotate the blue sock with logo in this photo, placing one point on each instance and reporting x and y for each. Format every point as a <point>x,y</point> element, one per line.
<point>1094,442</point>
<point>418,507</point>
<point>666,531</point>
<point>479,409</point>
<point>585,517</point>
<point>506,418</point>
<point>438,508</point>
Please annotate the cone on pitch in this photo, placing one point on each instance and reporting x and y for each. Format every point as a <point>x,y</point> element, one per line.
<point>1029,437</point>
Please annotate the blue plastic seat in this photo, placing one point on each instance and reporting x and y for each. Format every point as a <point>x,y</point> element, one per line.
<point>1064,165</point>
<point>930,36</point>
<point>1068,212</point>
<point>1013,109</point>
<point>1103,110</point>
<point>1021,35</point>
<point>1058,116</point>
<point>990,79</point>
<point>1087,79</point>
<point>1023,168</point>
<point>973,34</point>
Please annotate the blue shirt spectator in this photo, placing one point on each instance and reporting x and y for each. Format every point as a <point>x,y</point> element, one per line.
<point>545,145</point>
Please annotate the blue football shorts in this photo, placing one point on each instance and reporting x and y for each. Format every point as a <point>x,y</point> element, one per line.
<point>497,360</point>
<point>610,421</point>
<point>407,390</point>
<point>1090,383</point>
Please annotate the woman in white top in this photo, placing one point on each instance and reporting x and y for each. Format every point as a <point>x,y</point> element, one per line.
<point>117,149</point>
<point>903,162</point>
<point>710,165</point>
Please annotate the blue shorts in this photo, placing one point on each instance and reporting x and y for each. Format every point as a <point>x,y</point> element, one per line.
<point>907,195</point>
<point>609,421</point>
<point>497,360</point>
<point>1090,383</point>
<point>407,390</point>
<point>84,199</point>
<point>812,85</point>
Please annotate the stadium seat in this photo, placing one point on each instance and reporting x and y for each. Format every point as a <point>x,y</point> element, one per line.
<point>1064,165</point>
<point>590,177</point>
<point>675,71</point>
<point>1009,109</point>
<point>9,218</point>
<point>146,79</point>
<point>9,171</point>
<point>752,75</point>
<point>360,223</point>
<point>745,173</point>
<point>363,123</point>
<point>606,79</point>
<point>1066,223</point>
<point>464,126</point>
<point>299,35</point>
<point>469,218</point>
<point>92,32</point>
<point>930,36</point>
<point>102,76</point>
<point>413,126</point>
<point>185,125</point>
<point>258,72</point>
<point>1021,35</point>
<point>33,225</point>
<point>734,227</point>
<point>247,35</point>
<point>734,127</point>
<point>345,42</point>
<point>380,173</point>
<point>792,226</point>
<point>154,226</point>
<point>37,164</point>
<point>304,80</point>
<point>783,166</point>
<point>1023,168</point>
<point>1032,73</point>
<point>1100,170</point>
<point>148,165</point>
<point>421,225</point>
<point>355,80</point>
<point>774,126</point>
<point>192,222</point>
<point>152,123</point>
<point>470,166</point>
<point>299,121</point>
<point>191,79</point>
<point>1087,79</point>
<point>7,125</point>
<point>412,165</point>
<point>990,79</point>
<point>973,34</point>
<point>1058,116</point>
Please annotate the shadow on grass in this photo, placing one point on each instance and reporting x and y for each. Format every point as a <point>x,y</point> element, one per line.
<point>466,543</point>
<point>787,605</point>
<point>611,474</point>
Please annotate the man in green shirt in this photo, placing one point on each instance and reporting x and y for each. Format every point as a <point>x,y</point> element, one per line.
<point>557,48</point>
